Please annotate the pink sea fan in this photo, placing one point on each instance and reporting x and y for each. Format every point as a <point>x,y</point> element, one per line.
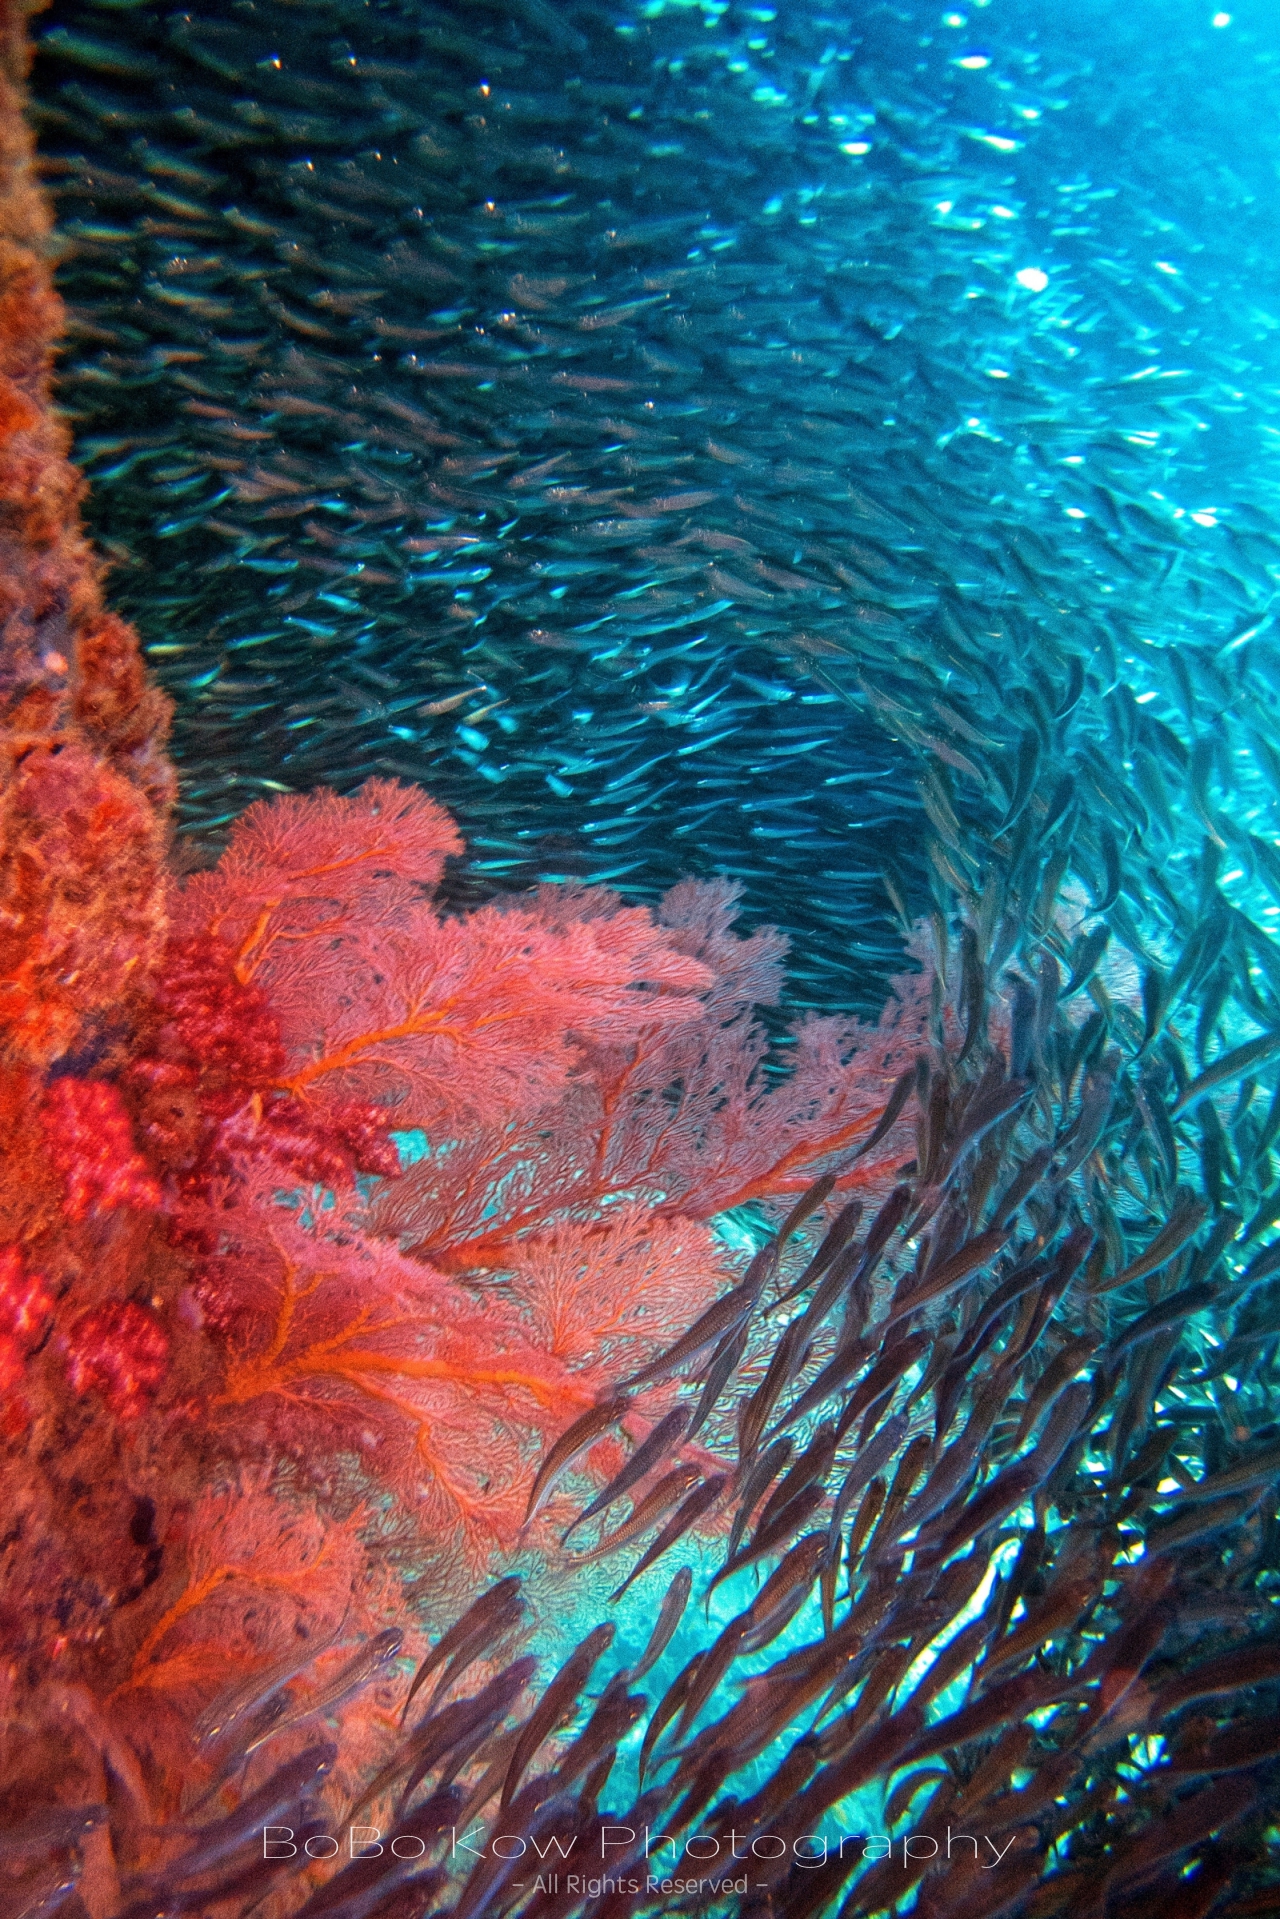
<point>321,906</point>
<point>684,1118</point>
<point>328,1333</point>
<point>474,1018</point>
<point>206,1087</point>
<point>296,863</point>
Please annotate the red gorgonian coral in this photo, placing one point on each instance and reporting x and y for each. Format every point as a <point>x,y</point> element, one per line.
<point>583,1084</point>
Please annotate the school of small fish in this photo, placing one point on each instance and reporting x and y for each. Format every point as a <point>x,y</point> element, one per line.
<point>571,407</point>
<point>864,423</point>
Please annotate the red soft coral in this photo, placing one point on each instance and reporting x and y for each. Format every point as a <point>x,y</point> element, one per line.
<point>205,1087</point>
<point>90,1142</point>
<point>83,784</point>
<point>26,1310</point>
<point>119,1350</point>
<point>11,1367</point>
<point>25,1305</point>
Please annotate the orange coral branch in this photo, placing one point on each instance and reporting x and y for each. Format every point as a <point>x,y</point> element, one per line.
<point>252,1378</point>
<point>334,1357</point>
<point>786,1176</point>
<point>199,1590</point>
<point>418,1024</point>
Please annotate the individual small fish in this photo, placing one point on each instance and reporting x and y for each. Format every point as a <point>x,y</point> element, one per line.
<point>98,55</point>
<point>718,1320</point>
<point>559,1696</point>
<point>850,1357</point>
<point>665,1711</point>
<point>1064,1365</point>
<point>871,1458</point>
<point>1013,1698</point>
<point>235,1709</point>
<point>1074,688</point>
<point>952,1473</point>
<point>1060,1608</point>
<point>899,1094</point>
<point>834,1242</point>
<point>268,1805</point>
<point>1085,957</point>
<point>1230,1066</point>
<point>433,708</point>
<point>1172,1237</point>
<point>1199,1523</point>
<point>990,1103</point>
<point>699,1501</point>
<point>1086,1130</point>
<point>751,1486</point>
<point>905,1476</point>
<point>785,1591</point>
<point>47,1831</point>
<point>1234,1749</point>
<point>897,1357</point>
<point>670,1613</point>
<point>941,1279</point>
<point>1215,1808</point>
<point>368,1665</point>
<point>804,1208</point>
<point>707,1668</point>
<point>594,1750</point>
<point>724,1363</point>
<point>812,1466</point>
<point>485,1620</point>
<point>789,1356</point>
<point>246,1888</point>
<point>1254,1469</point>
<point>1059,1271</point>
<point>463,1724</point>
<point>376,1888</point>
<point>1170,1312</point>
<point>665,1435</point>
<point>669,1489</point>
<point>1015,1483</point>
<point>788,1517</point>
<point>1023,784</point>
<point>572,1443</point>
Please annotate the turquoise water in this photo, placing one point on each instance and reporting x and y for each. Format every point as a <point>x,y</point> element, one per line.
<point>837,449</point>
